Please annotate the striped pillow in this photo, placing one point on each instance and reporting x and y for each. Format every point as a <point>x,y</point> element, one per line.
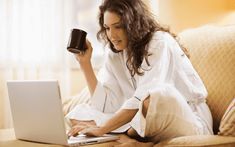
<point>227,124</point>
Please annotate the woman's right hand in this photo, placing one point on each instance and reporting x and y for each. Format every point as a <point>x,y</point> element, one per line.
<point>85,57</point>
<point>85,63</point>
<point>78,126</point>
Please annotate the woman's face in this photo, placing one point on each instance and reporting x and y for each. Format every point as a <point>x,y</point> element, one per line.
<point>115,31</point>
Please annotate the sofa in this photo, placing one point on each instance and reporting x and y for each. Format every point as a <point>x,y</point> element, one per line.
<point>212,52</point>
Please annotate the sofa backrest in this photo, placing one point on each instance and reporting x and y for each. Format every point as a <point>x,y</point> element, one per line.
<point>212,52</point>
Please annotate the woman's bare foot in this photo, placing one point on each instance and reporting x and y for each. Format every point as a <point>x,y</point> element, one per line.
<point>127,141</point>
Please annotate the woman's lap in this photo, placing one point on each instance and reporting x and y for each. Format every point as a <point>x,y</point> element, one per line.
<point>169,115</point>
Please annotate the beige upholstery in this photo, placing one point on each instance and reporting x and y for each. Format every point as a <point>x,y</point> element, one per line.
<point>203,140</point>
<point>227,123</point>
<point>212,52</point>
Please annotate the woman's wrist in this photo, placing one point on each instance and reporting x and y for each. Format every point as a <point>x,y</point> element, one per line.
<point>85,64</point>
<point>104,129</point>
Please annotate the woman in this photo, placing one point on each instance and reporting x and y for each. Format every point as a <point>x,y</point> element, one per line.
<point>148,85</point>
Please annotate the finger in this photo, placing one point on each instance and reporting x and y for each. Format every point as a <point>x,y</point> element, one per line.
<point>92,132</point>
<point>87,131</point>
<point>78,55</point>
<point>88,43</point>
<point>84,131</point>
<point>75,130</point>
<point>72,132</point>
<point>74,122</point>
<point>88,46</point>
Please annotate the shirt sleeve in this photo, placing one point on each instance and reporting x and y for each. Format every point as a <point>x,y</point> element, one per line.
<point>154,75</point>
<point>108,96</point>
<point>132,103</point>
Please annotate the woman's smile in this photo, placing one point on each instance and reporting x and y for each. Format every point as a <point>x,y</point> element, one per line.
<point>116,42</point>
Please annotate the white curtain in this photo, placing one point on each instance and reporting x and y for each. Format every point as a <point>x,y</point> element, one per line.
<point>33,39</point>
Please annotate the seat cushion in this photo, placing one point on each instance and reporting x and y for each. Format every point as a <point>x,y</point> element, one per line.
<point>199,140</point>
<point>212,52</point>
<point>227,125</point>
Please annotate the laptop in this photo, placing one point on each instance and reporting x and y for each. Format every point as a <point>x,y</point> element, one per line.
<point>37,114</point>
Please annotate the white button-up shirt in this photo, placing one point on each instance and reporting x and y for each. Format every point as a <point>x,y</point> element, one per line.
<point>168,65</point>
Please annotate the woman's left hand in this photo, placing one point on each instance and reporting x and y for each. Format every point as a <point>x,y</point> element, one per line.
<point>93,131</point>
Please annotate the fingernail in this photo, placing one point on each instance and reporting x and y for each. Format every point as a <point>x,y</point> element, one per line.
<point>80,133</point>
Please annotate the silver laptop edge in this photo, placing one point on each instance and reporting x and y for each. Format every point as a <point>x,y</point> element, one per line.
<point>37,113</point>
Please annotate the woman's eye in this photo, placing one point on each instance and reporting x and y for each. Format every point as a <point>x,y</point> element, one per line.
<point>118,27</point>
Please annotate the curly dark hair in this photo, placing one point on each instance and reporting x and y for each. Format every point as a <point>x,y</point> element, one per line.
<point>139,25</point>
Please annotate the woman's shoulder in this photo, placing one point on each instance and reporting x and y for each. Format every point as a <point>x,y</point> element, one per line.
<point>162,36</point>
<point>162,42</point>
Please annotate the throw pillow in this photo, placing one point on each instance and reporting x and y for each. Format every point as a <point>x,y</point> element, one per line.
<point>227,124</point>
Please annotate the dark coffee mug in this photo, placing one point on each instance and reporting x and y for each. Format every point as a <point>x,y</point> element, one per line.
<point>77,41</point>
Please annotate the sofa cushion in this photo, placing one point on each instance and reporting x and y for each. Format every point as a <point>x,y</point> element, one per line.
<point>199,140</point>
<point>227,125</point>
<point>212,52</point>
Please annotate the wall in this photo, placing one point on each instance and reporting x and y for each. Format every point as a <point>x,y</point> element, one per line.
<point>183,14</point>
<point>78,81</point>
<point>1,105</point>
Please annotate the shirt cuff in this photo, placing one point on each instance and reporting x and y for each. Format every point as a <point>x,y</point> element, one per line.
<point>99,97</point>
<point>141,94</point>
<point>132,103</point>
<point>138,123</point>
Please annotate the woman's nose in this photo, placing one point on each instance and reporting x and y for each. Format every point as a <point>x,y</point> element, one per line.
<point>112,33</point>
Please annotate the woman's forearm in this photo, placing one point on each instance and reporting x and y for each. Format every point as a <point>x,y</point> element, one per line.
<point>119,119</point>
<point>89,76</point>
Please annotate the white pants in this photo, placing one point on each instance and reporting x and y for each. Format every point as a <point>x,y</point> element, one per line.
<point>169,115</point>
